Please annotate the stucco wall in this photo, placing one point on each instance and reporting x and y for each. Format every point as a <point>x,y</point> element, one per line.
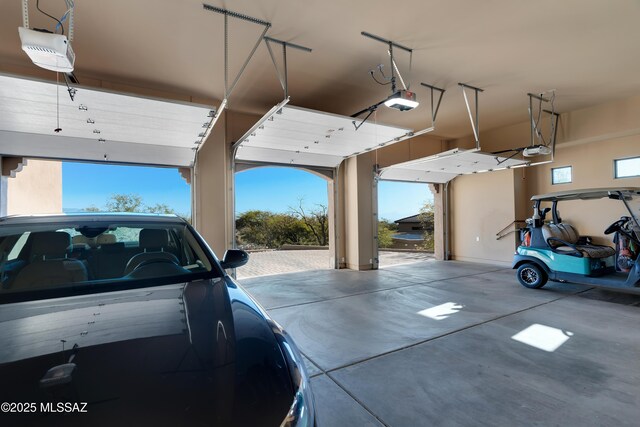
<point>481,205</point>
<point>36,189</point>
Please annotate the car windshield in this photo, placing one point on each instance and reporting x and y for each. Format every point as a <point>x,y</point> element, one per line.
<point>94,256</point>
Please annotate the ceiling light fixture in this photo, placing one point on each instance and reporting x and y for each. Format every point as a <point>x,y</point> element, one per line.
<point>402,100</point>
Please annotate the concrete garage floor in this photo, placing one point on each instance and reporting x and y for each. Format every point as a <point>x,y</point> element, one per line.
<point>376,361</point>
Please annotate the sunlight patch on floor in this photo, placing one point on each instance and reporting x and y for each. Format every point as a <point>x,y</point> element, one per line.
<point>543,337</point>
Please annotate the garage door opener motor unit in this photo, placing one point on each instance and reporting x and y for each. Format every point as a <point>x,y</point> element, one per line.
<point>46,49</point>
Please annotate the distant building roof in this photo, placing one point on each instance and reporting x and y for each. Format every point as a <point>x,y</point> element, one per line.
<point>412,218</point>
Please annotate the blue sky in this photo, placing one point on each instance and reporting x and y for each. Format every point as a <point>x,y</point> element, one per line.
<point>87,184</point>
<point>274,189</point>
<point>401,199</point>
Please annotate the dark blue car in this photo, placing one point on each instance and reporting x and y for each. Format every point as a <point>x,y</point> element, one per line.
<point>116,319</point>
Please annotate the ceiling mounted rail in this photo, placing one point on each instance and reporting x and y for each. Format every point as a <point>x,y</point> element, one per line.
<point>475,123</point>
<point>228,88</point>
<point>383,40</point>
<point>283,76</point>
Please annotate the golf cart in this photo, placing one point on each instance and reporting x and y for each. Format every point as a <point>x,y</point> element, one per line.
<point>554,250</point>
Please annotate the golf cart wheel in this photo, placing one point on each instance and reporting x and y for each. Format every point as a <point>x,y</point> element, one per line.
<point>531,276</point>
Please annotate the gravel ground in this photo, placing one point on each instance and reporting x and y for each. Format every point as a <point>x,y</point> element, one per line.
<point>279,262</point>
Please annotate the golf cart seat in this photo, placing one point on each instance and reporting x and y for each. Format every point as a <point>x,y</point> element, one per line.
<point>563,238</point>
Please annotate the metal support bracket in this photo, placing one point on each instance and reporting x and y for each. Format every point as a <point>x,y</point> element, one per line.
<point>370,110</point>
<point>25,14</point>
<point>70,11</point>
<point>535,130</point>
<point>394,68</point>
<point>434,110</point>
<point>475,123</point>
<point>282,76</point>
<point>228,89</point>
<point>70,26</point>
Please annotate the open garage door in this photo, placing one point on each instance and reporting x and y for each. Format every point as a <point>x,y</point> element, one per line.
<point>297,136</point>
<point>97,125</point>
<point>445,166</point>
<point>311,140</point>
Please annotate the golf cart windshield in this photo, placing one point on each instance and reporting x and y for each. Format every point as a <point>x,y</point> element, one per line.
<point>632,202</point>
<point>630,196</point>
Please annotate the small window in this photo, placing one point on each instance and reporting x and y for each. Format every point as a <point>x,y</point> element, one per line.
<point>561,175</point>
<point>627,168</point>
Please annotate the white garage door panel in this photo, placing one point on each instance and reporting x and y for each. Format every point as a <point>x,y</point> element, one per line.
<point>446,166</point>
<point>313,138</point>
<point>33,145</point>
<point>57,147</point>
<point>409,175</point>
<point>266,155</point>
<point>29,107</point>
<point>332,147</point>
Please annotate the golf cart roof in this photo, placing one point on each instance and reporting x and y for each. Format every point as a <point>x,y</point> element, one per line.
<point>586,194</point>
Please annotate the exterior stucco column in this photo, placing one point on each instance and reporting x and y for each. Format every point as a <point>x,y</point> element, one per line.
<point>438,220</point>
<point>359,213</point>
<point>212,210</point>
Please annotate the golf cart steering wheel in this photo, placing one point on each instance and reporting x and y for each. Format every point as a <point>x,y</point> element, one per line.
<point>616,226</point>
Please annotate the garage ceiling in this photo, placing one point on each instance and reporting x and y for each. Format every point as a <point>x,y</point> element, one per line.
<point>97,125</point>
<point>298,136</point>
<point>582,48</point>
<point>446,166</point>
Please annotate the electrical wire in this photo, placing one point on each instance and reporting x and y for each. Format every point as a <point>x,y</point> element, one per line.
<point>536,123</point>
<point>70,6</point>
<point>52,17</point>
<point>376,80</point>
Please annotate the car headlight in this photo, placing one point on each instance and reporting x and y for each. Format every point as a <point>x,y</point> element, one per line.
<point>302,411</point>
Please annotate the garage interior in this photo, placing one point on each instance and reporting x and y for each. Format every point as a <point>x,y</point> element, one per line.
<point>451,341</point>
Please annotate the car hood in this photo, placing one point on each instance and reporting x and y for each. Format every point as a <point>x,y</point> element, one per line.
<point>197,353</point>
<point>65,326</point>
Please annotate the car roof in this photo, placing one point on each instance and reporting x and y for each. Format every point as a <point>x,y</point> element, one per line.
<point>585,194</point>
<point>90,217</point>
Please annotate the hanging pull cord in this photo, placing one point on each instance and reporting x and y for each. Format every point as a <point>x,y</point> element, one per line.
<point>58,129</point>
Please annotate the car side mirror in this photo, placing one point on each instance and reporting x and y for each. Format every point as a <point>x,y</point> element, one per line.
<point>234,258</point>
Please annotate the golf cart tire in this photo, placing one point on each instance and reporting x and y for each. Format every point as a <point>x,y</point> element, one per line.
<point>531,276</point>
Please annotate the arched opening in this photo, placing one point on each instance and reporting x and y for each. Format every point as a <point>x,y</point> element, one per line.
<point>405,229</point>
<point>283,218</point>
